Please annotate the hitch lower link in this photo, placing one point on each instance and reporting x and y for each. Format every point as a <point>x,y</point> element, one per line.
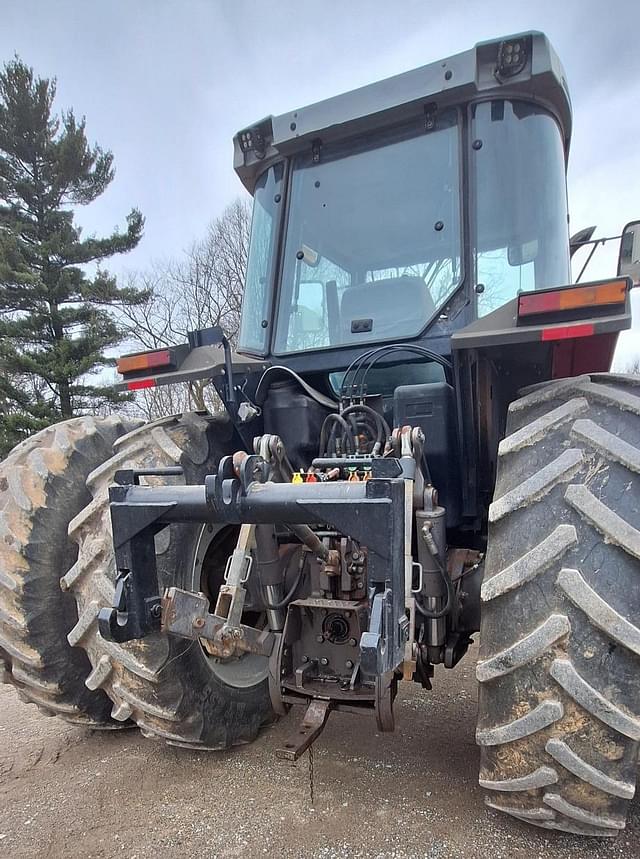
<point>222,634</point>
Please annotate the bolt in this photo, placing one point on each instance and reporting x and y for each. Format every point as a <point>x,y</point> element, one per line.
<point>324,661</point>
<point>356,556</point>
<point>352,642</point>
<point>198,622</point>
<point>319,638</point>
<point>349,664</point>
<point>359,584</point>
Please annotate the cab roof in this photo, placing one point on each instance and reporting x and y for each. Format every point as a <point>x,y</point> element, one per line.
<point>522,66</point>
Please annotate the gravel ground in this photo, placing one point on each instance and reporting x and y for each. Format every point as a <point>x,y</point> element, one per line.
<point>67,792</point>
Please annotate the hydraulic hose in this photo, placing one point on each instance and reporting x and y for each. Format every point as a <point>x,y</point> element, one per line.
<point>383,430</point>
<point>334,417</point>
<point>446,609</point>
<point>284,602</point>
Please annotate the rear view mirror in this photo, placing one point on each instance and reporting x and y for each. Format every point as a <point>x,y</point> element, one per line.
<point>310,257</point>
<point>581,238</point>
<point>629,259</point>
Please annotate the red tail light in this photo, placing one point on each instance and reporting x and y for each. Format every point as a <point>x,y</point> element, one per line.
<point>573,298</point>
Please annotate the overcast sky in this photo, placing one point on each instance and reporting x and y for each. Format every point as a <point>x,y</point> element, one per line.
<point>165,85</point>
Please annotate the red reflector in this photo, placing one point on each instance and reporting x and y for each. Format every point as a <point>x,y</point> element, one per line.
<point>141,383</point>
<point>567,332</point>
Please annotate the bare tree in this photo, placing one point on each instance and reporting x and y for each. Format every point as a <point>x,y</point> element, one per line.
<point>224,253</point>
<point>201,289</point>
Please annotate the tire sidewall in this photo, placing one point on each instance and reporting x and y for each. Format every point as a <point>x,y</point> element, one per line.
<point>216,705</point>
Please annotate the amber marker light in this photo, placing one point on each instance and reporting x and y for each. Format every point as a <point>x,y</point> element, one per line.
<point>144,361</point>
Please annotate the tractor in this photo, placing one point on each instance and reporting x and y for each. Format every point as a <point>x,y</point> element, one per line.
<point>420,440</point>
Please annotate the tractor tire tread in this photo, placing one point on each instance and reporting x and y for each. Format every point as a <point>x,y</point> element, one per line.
<point>150,681</point>
<point>560,632</point>
<point>42,484</point>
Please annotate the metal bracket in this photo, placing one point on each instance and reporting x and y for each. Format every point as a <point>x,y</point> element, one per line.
<point>310,729</point>
<point>232,593</point>
<point>271,449</point>
<point>455,648</point>
<point>187,614</point>
<point>430,116</point>
<point>386,690</point>
<point>122,620</point>
<point>136,609</point>
<point>131,476</point>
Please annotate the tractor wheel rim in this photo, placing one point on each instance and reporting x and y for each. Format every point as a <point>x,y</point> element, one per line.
<point>207,575</point>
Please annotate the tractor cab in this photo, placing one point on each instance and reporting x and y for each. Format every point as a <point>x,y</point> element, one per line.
<point>403,211</point>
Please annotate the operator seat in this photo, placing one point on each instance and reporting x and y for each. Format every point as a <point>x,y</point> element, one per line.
<point>395,306</point>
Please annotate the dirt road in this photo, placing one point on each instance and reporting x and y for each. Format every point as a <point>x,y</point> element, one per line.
<point>66,792</point>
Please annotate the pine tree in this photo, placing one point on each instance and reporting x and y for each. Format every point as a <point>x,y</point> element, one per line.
<point>57,303</point>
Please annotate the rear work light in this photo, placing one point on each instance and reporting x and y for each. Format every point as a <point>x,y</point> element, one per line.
<point>512,56</point>
<point>597,295</point>
<point>161,358</point>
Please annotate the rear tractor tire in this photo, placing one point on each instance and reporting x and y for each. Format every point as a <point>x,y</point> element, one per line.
<point>42,486</point>
<point>559,667</point>
<point>171,687</point>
